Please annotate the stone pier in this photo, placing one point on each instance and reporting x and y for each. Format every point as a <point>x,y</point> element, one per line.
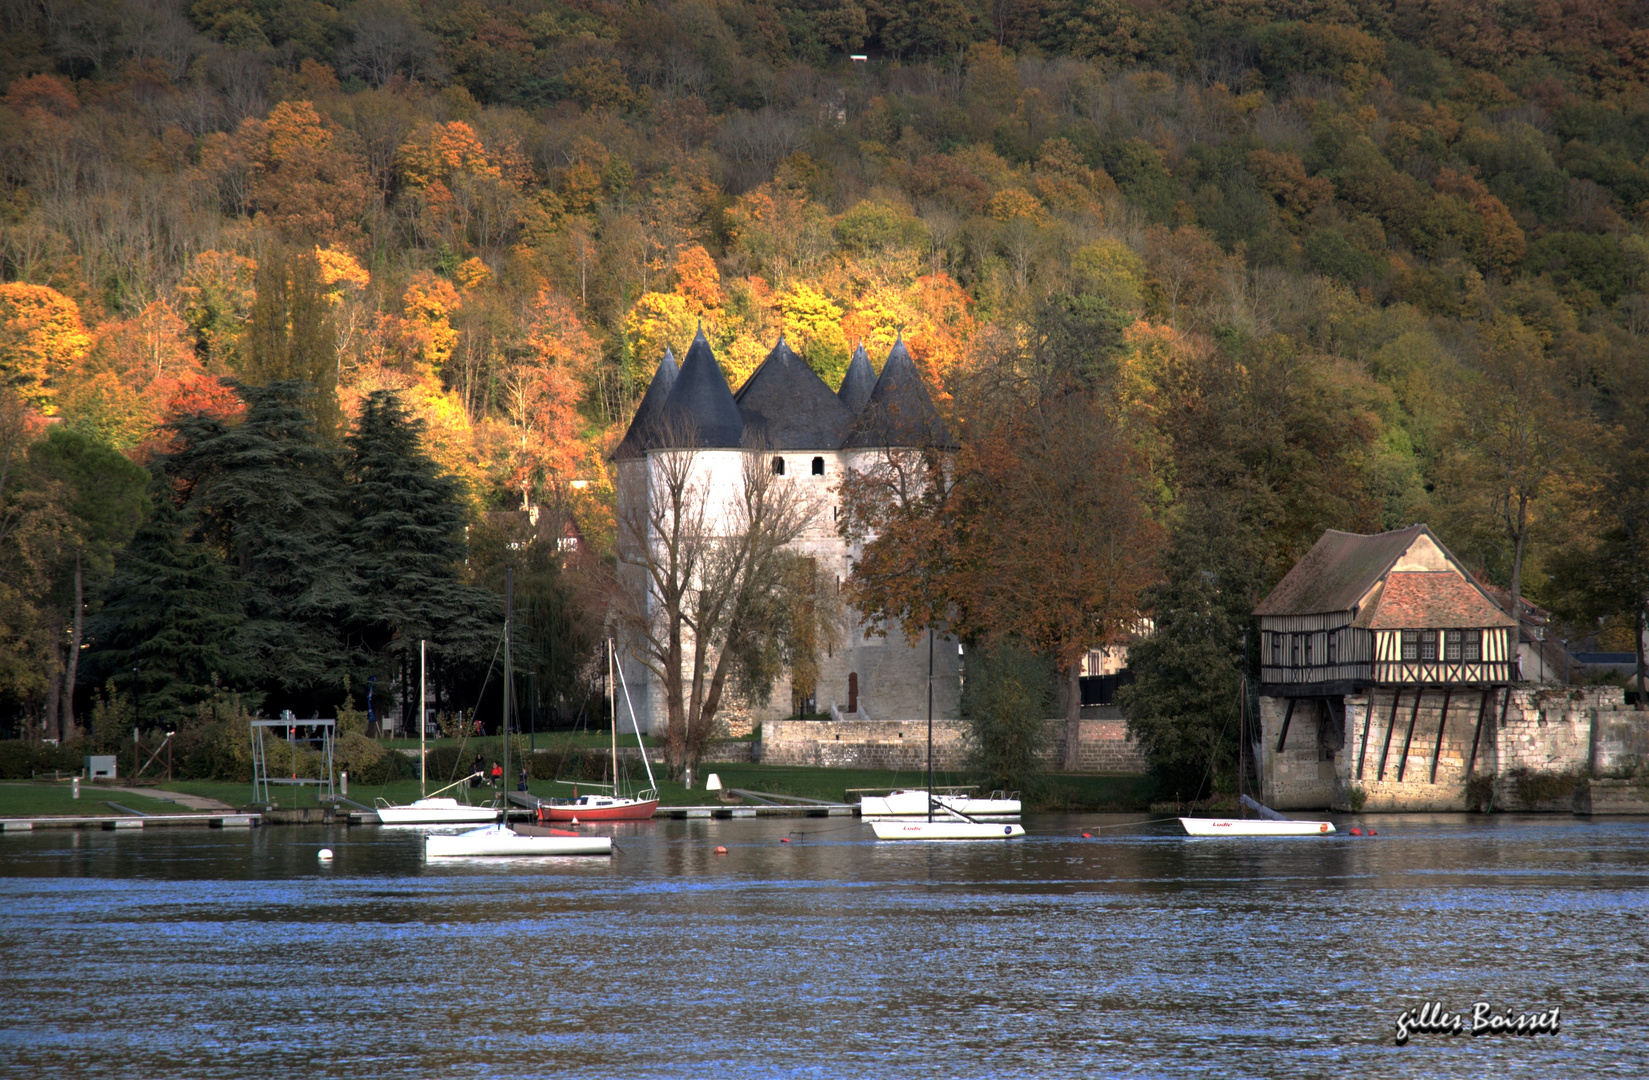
<point>1446,749</point>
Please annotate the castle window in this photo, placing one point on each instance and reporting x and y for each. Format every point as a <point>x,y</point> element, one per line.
<point>1471,647</point>
<point>818,466</point>
<point>1451,644</point>
<point>1411,644</point>
<point>778,466</point>
<point>1428,644</point>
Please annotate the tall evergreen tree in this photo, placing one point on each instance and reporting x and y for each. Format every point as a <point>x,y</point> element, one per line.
<point>171,624</point>
<point>291,334</point>
<point>1182,707</point>
<point>267,492</point>
<point>406,534</point>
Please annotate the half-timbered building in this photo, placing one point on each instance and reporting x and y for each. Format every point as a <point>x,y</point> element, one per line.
<point>1363,630</point>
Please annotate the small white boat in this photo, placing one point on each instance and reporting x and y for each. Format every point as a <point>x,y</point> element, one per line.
<point>948,829</point>
<point>438,811</point>
<point>1254,827</point>
<point>496,840</point>
<point>913,803</point>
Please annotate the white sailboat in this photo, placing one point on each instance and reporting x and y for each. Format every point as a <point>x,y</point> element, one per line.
<point>431,809</point>
<point>1269,823</point>
<point>911,803</point>
<point>499,839</point>
<point>938,821</point>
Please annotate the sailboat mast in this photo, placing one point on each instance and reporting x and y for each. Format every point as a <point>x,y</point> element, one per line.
<point>930,723</point>
<point>423,711</point>
<point>612,705</point>
<point>509,677</point>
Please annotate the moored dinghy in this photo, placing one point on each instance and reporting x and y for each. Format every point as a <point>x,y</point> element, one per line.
<point>1269,823</point>
<point>499,840</point>
<point>953,829</point>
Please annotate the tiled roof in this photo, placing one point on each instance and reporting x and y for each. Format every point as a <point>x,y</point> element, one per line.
<point>700,404</point>
<point>642,434</point>
<point>1429,599</point>
<point>786,406</point>
<point>900,412</point>
<point>859,381</point>
<point>1336,572</point>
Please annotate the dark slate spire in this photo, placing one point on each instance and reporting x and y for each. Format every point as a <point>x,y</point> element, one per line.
<point>859,381</point>
<point>900,412</point>
<point>641,435</point>
<point>789,407</point>
<point>700,409</point>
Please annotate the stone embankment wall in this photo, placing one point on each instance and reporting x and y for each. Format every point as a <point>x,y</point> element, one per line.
<point>902,744</point>
<point>1400,751</point>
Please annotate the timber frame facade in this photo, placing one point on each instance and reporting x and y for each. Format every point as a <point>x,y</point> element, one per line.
<point>1394,609</point>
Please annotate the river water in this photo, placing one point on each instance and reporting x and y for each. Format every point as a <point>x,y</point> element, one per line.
<point>205,953</point>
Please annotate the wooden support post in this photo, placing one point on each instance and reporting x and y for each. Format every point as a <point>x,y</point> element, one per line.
<point>1287,716</point>
<point>1437,750</point>
<point>1482,710</point>
<point>1391,725</point>
<point>1505,703</point>
<point>1362,747</point>
<point>1414,714</point>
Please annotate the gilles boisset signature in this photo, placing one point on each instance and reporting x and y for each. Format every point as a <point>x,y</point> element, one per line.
<point>1430,1019</point>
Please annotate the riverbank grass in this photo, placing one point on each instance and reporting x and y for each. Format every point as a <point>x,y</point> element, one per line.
<point>38,799</point>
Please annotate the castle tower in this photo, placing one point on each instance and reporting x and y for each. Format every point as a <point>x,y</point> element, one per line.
<point>810,436</point>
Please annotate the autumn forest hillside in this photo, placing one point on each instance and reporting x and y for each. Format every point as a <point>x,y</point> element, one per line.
<point>1222,271</point>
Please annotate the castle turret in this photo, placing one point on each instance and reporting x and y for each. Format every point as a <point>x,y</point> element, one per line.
<point>700,410</point>
<point>788,407</point>
<point>859,381</point>
<point>643,433</point>
<point>899,412</point>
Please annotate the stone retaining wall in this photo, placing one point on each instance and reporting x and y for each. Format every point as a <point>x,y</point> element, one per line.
<point>901,745</point>
<point>1416,756</point>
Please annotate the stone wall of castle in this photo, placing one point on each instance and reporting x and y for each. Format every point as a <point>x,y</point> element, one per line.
<point>902,745</point>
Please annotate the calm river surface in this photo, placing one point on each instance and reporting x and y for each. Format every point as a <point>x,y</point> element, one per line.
<point>197,953</point>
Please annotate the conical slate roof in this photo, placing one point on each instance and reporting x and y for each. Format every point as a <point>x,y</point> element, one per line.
<point>700,410</point>
<point>788,407</point>
<point>899,412</point>
<point>859,381</point>
<point>641,435</point>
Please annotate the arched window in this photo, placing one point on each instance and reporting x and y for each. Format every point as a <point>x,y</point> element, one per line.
<point>818,466</point>
<point>778,466</point>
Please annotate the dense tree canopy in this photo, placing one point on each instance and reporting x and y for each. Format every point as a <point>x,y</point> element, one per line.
<point>1323,258</point>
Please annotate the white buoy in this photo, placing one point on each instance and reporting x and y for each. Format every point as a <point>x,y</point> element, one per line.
<point>712,782</point>
<point>325,854</point>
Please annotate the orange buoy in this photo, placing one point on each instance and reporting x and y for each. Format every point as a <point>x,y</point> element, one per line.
<point>784,839</point>
<point>1371,832</point>
<point>1085,836</point>
<point>721,850</point>
<point>1355,831</point>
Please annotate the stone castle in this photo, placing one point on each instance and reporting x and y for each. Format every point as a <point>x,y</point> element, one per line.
<point>809,436</point>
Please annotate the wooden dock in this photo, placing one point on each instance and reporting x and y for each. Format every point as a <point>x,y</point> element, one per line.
<point>139,821</point>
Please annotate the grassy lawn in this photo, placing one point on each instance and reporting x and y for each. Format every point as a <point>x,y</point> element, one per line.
<point>1059,792</point>
<point>56,799</point>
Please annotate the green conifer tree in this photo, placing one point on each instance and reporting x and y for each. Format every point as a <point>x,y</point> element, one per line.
<point>406,534</point>
<point>169,631</point>
<point>267,493</point>
<point>1183,705</point>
